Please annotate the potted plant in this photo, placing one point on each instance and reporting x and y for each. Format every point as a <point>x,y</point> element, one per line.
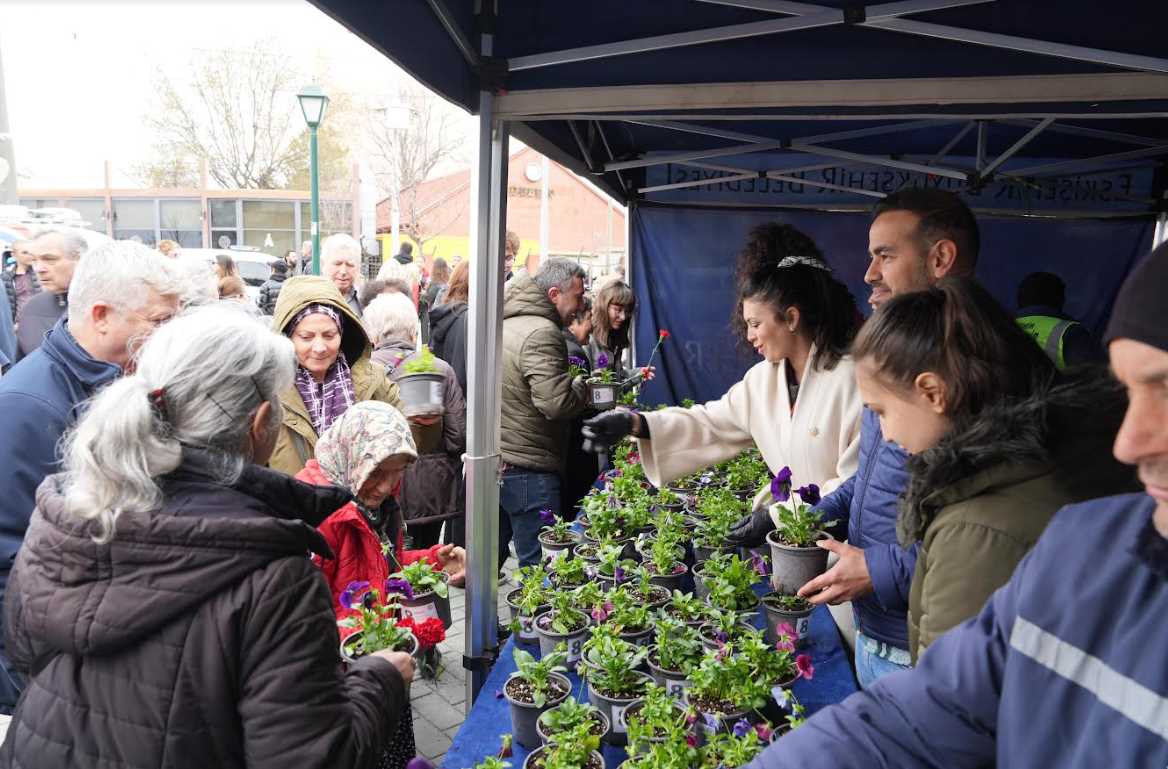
<point>723,627</point>
<point>795,558</point>
<point>718,511</point>
<point>686,607</point>
<point>639,584</point>
<point>737,746</point>
<point>527,601</point>
<point>776,666</point>
<point>613,567</point>
<point>655,717</point>
<point>730,584</point>
<point>611,669</point>
<point>629,617</point>
<point>424,591</point>
<point>568,715</point>
<point>556,538</point>
<point>789,610</point>
<point>562,623</point>
<point>535,686</point>
<point>670,754</point>
<point>603,389</point>
<point>421,386</point>
<point>723,690</point>
<point>663,562</point>
<point>745,475</point>
<point>374,625</point>
<point>677,646</point>
<point>713,564</point>
<point>567,573</point>
<point>576,748</point>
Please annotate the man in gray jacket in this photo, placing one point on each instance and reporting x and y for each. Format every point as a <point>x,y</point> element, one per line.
<point>539,399</point>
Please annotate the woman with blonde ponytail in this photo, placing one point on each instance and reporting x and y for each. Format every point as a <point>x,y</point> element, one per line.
<point>163,608</point>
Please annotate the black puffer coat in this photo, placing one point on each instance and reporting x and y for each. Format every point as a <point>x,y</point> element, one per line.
<point>448,337</point>
<point>199,636</point>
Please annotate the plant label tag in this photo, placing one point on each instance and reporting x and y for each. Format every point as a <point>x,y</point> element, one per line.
<point>575,646</point>
<point>422,612</point>
<point>527,630</point>
<point>618,719</point>
<point>803,627</point>
<point>677,687</point>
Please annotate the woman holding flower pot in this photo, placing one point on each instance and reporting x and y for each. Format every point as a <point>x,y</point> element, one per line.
<point>799,405</point>
<point>162,607</point>
<point>997,439</point>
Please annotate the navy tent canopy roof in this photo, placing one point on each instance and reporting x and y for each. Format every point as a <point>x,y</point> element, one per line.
<point>1063,80</point>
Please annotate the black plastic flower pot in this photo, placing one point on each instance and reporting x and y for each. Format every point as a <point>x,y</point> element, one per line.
<point>525,714</point>
<point>548,639</point>
<point>794,567</point>
<point>428,604</point>
<point>722,719</point>
<point>535,759</point>
<point>422,394</point>
<point>614,708</point>
<point>673,681</point>
<point>775,616</point>
<point>604,727</point>
<point>672,581</point>
<point>349,657</point>
<point>635,707</point>
<point>553,549</point>
<point>526,634</point>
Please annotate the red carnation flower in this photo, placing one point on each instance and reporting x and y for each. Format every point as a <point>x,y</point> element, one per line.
<point>663,334</point>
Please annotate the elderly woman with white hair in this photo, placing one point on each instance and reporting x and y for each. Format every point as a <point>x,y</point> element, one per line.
<point>432,487</point>
<point>162,607</point>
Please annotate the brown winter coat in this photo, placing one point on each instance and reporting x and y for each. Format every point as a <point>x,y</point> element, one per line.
<point>431,486</point>
<point>539,397</point>
<point>199,636</point>
<point>296,443</point>
<point>980,499</point>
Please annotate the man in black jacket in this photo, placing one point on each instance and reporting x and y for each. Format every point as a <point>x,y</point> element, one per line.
<point>55,254</point>
<point>270,290</point>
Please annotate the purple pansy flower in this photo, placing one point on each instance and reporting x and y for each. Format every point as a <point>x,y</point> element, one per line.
<point>498,694</point>
<point>711,722</point>
<point>547,517</point>
<point>691,740</point>
<point>618,574</point>
<point>399,585</point>
<point>804,666</point>
<point>781,485</point>
<point>353,593</point>
<point>763,731</point>
<point>417,762</point>
<point>809,494</point>
<point>691,717</point>
<point>742,728</point>
<point>601,360</point>
<point>760,565</point>
<point>577,361</point>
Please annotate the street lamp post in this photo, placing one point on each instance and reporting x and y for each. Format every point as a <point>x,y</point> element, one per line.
<point>313,103</point>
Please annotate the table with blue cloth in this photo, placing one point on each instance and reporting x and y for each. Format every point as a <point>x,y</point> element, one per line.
<point>490,716</point>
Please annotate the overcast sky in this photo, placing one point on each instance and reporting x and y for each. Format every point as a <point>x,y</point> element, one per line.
<point>80,75</point>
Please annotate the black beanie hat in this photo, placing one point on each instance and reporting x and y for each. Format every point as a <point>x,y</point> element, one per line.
<point>280,267</point>
<point>1141,309</point>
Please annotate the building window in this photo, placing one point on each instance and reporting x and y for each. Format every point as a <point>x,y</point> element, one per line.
<point>92,211</point>
<point>224,223</point>
<point>335,216</point>
<point>182,222</point>
<point>269,225</point>
<point>134,220</point>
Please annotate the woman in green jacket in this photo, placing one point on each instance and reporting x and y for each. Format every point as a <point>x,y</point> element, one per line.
<point>998,439</point>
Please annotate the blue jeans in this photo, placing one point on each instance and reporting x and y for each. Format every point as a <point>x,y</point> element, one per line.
<point>523,495</point>
<point>875,659</point>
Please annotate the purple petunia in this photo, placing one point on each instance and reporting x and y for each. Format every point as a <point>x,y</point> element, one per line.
<point>547,517</point>
<point>742,728</point>
<point>809,494</point>
<point>601,360</point>
<point>398,585</point>
<point>351,597</point>
<point>781,485</point>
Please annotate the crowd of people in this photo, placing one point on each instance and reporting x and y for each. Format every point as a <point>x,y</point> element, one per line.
<point>174,452</point>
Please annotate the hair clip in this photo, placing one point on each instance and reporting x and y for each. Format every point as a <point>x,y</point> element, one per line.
<point>806,261</point>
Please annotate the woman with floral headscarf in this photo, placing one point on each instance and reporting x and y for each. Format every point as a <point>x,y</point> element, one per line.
<point>366,451</point>
<point>333,370</point>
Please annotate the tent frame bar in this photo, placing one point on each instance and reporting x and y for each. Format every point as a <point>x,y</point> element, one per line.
<point>1050,169</point>
<point>1092,133</point>
<point>1015,147</point>
<point>782,177</point>
<point>949,145</point>
<point>738,149</point>
<point>832,152</point>
<point>860,133</point>
<point>455,32</point>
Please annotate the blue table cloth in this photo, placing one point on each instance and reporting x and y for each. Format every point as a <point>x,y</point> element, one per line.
<point>490,716</point>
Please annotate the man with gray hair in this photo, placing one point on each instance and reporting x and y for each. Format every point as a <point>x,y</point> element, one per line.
<point>340,262</point>
<point>118,294</point>
<point>539,400</point>
<point>54,255</point>
<point>20,281</point>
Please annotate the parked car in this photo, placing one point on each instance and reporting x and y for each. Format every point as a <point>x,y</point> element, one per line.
<point>254,265</point>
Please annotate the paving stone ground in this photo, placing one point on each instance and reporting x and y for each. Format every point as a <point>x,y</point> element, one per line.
<point>440,705</point>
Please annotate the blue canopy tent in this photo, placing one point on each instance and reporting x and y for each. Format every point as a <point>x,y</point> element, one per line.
<point>707,116</point>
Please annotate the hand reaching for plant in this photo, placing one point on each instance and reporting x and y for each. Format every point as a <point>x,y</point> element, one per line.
<point>452,560</point>
<point>846,581</point>
<point>400,660</point>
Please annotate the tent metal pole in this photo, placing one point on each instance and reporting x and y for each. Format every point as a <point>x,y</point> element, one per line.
<point>456,34</point>
<point>1016,146</point>
<point>941,153</point>
<point>1027,45</point>
<point>484,348</point>
<point>701,182</point>
<point>982,135</point>
<point>738,149</point>
<point>1091,133</point>
<point>831,152</point>
<point>699,129</point>
<point>1089,163</point>
<point>860,133</point>
<point>658,118</point>
<point>1161,233</point>
<point>611,156</point>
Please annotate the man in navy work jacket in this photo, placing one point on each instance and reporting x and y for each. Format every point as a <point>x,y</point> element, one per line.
<point>1065,665</point>
<point>119,293</point>
<point>917,237</point>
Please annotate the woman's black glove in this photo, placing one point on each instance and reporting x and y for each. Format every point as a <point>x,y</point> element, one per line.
<point>751,531</point>
<point>601,432</point>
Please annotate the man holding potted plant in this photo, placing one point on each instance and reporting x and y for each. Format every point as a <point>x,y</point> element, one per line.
<point>1056,669</point>
<point>539,397</point>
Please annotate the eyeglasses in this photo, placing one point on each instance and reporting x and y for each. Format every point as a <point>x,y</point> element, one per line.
<point>155,322</point>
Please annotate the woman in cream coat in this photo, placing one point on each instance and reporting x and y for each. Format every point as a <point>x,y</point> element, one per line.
<point>799,405</point>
